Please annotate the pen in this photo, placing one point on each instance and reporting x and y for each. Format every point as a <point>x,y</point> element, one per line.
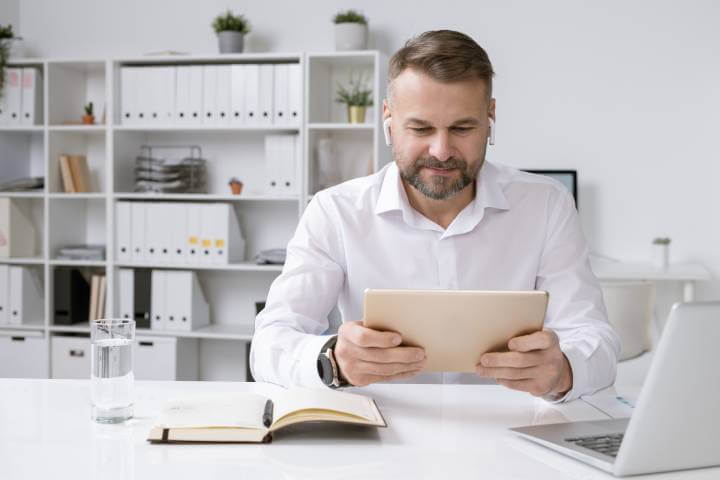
<point>268,413</point>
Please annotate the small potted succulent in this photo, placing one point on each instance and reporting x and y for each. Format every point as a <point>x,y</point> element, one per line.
<point>351,30</point>
<point>89,117</point>
<point>235,186</point>
<point>231,30</point>
<point>357,97</point>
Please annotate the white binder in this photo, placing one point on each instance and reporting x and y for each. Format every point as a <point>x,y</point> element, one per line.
<point>4,293</point>
<point>17,233</point>
<point>186,307</point>
<point>128,102</point>
<point>4,118</point>
<point>152,96</point>
<point>228,244</point>
<point>266,95</point>
<point>237,94</point>
<point>32,88</point>
<point>157,300</point>
<point>223,97</point>
<point>196,95</point>
<point>13,95</point>
<point>124,232</point>
<point>295,93</point>
<point>142,90</point>
<point>182,95</point>
<point>281,94</point>
<point>137,232</point>
<point>163,230</point>
<point>210,81</point>
<point>126,293</point>
<point>154,232</point>
<point>193,216</point>
<point>208,230</point>
<point>177,215</point>
<point>166,83</point>
<point>252,93</point>
<point>26,305</point>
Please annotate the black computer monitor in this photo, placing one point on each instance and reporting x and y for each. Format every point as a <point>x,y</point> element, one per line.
<point>566,177</point>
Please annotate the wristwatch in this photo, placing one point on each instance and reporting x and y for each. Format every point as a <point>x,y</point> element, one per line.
<point>327,366</point>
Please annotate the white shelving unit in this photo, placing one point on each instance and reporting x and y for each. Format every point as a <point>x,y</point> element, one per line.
<point>267,221</point>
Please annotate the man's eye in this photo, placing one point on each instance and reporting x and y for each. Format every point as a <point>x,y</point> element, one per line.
<point>420,129</point>
<point>462,129</point>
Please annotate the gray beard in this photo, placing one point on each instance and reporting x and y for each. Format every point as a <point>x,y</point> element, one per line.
<point>441,188</point>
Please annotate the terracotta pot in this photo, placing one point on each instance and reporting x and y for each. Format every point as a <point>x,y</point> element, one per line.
<point>236,188</point>
<point>356,114</point>
<point>88,119</point>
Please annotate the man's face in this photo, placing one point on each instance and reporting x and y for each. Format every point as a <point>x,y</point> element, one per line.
<point>439,132</point>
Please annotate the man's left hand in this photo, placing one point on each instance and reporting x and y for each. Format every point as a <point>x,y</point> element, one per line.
<point>534,364</point>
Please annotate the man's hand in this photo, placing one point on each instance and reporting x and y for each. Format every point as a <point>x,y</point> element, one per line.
<point>367,356</point>
<point>534,364</point>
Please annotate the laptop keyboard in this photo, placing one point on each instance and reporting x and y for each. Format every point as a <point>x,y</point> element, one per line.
<point>605,444</point>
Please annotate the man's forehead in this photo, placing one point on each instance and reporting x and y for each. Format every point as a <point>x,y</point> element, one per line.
<point>417,95</point>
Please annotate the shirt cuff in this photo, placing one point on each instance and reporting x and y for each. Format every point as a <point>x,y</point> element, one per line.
<point>578,365</point>
<point>311,348</point>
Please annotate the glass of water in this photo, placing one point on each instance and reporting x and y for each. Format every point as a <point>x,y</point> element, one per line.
<point>111,372</point>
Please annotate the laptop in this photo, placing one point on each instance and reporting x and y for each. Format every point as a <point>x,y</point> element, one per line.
<point>676,421</point>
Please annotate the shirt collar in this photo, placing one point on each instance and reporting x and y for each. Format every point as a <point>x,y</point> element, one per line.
<point>488,193</point>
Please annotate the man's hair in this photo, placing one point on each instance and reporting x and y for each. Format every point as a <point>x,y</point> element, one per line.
<point>445,56</point>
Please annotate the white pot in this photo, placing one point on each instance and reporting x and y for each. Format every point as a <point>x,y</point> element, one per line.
<point>231,42</point>
<point>661,256</point>
<point>350,36</point>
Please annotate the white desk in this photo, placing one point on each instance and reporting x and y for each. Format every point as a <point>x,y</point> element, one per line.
<point>687,273</point>
<point>435,431</point>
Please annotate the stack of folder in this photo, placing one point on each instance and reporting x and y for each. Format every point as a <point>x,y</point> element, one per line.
<point>163,299</point>
<point>17,233</point>
<point>21,102</point>
<point>178,233</point>
<point>21,298</point>
<point>189,175</point>
<point>75,299</point>
<point>238,94</point>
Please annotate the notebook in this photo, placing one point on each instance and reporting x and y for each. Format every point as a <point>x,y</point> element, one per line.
<point>252,418</point>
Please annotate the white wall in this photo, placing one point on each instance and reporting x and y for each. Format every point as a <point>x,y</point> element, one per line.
<point>626,92</point>
<point>10,13</point>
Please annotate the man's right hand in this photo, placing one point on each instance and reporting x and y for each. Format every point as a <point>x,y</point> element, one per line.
<point>366,356</point>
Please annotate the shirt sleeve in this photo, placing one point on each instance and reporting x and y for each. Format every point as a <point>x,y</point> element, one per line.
<point>292,328</point>
<point>576,310</point>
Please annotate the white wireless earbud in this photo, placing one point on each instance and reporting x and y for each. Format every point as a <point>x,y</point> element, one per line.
<point>386,130</point>
<point>492,132</point>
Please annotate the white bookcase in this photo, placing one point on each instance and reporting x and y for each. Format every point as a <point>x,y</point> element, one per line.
<point>110,147</point>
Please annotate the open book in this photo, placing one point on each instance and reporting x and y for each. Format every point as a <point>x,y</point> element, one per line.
<point>251,417</point>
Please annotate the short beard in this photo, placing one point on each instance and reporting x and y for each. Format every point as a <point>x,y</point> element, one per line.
<point>440,188</point>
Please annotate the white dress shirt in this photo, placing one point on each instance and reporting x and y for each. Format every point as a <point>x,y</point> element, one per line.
<point>520,232</point>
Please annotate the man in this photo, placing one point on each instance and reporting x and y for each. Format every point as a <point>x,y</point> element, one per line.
<point>438,217</point>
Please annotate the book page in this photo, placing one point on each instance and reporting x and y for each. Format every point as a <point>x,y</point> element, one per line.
<point>228,410</point>
<point>299,399</point>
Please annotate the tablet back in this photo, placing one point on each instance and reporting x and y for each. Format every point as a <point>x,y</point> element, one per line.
<point>455,327</point>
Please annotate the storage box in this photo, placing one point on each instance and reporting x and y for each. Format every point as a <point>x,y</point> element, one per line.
<point>166,358</point>
<point>70,357</point>
<point>23,354</point>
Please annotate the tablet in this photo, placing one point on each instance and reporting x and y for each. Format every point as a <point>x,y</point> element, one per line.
<point>455,327</point>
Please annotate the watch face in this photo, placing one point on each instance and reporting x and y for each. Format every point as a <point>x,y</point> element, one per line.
<point>325,369</point>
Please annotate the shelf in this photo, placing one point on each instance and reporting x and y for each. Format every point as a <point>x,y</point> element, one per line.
<point>24,326</point>
<point>183,59</point>
<point>77,263</point>
<point>38,194</point>
<point>76,196</point>
<point>236,267</point>
<point>204,197</point>
<point>22,261</point>
<point>216,332</point>
<point>77,128</point>
<point>206,128</point>
<point>22,128</point>
<point>83,327</point>
<point>341,126</point>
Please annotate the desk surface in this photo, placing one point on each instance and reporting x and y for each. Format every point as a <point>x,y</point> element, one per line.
<point>435,431</point>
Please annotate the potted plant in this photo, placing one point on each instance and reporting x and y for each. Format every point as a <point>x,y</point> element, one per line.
<point>10,46</point>
<point>350,30</point>
<point>235,186</point>
<point>88,118</point>
<point>231,30</point>
<point>357,97</point>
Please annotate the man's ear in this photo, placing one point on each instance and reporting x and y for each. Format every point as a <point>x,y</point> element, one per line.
<point>491,109</point>
<point>386,109</point>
